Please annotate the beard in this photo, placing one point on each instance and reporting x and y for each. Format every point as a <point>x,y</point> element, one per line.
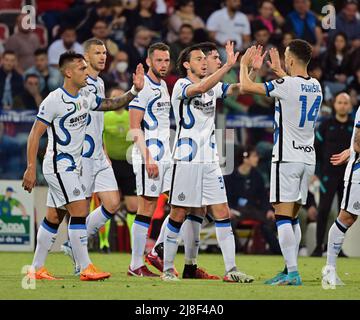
<point>157,74</point>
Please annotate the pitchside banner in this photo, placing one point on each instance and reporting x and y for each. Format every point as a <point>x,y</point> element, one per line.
<point>16,217</point>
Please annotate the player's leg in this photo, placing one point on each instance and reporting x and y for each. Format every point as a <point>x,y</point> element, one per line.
<point>106,187</point>
<point>350,209</point>
<point>46,237</point>
<point>131,205</point>
<point>146,208</point>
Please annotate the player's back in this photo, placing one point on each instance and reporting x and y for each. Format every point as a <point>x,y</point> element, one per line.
<point>93,147</point>
<point>297,105</point>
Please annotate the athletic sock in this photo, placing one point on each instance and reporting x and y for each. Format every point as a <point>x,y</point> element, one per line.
<point>79,241</point>
<point>171,243</point>
<point>287,241</point>
<point>226,240</point>
<point>335,241</point>
<point>297,234</point>
<point>190,233</point>
<point>96,219</point>
<point>139,235</point>
<point>46,237</point>
<point>160,239</point>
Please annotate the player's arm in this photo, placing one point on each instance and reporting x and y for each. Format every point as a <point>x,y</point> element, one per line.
<point>29,179</point>
<point>136,116</point>
<point>246,84</point>
<point>122,101</point>
<point>357,138</point>
<point>209,82</point>
<point>340,158</point>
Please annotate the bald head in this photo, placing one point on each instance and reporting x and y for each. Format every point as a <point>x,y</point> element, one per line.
<point>342,104</point>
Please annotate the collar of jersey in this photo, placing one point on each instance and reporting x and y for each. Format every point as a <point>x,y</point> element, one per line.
<point>92,78</point>
<point>70,95</point>
<point>152,81</point>
<point>188,79</point>
<point>308,78</point>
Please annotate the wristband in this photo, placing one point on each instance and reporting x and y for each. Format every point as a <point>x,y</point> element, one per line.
<point>133,91</point>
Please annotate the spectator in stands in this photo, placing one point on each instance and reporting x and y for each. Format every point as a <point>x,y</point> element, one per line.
<point>145,15</point>
<point>271,19</point>
<point>305,25</point>
<point>66,42</point>
<point>261,35</point>
<point>137,49</point>
<point>24,43</point>
<point>348,23</point>
<point>85,16</point>
<point>50,78</point>
<point>118,24</point>
<point>230,24</point>
<point>30,98</point>
<point>354,89</point>
<point>247,194</point>
<point>118,73</point>
<point>101,31</point>
<point>185,39</point>
<point>336,62</point>
<point>185,14</point>
<point>11,82</point>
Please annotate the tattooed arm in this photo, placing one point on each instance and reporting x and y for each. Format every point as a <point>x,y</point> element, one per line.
<point>123,101</point>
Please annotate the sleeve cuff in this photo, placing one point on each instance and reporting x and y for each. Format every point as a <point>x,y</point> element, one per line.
<point>225,88</point>
<point>183,94</point>
<point>98,101</point>
<point>267,90</point>
<point>136,108</point>
<point>43,121</point>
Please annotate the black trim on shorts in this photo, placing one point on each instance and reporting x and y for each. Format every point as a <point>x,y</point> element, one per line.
<point>54,147</point>
<point>277,184</point>
<point>62,188</point>
<point>172,183</point>
<point>348,189</point>
<point>143,178</point>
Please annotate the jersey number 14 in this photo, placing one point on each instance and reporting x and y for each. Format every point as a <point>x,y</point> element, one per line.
<point>313,112</point>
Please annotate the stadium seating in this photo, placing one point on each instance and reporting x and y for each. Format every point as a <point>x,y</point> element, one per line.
<point>8,17</point>
<point>41,32</point>
<point>11,4</point>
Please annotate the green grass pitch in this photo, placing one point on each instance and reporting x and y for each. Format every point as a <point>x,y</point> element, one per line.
<point>120,286</point>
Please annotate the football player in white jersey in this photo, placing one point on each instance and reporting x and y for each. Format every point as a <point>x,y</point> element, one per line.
<point>150,128</point>
<point>195,219</point>
<point>64,115</point>
<point>97,174</point>
<point>297,103</point>
<point>350,205</point>
<point>197,178</point>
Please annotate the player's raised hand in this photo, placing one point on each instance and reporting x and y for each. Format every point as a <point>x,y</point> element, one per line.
<point>340,158</point>
<point>231,56</point>
<point>248,56</point>
<point>138,77</point>
<point>275,63</point>
<point>29,179</point>
<point>258,58</point>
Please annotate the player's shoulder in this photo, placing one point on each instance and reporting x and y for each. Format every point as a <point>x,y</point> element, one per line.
<point>181,82</point>
<point>53,95</point>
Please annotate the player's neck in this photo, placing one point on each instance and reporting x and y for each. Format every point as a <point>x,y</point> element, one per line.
<point>153,77</point>
<point>71,88</point>
<point>93,74</point>
<point>298,71</point>
<point>341,118</point>
<point>193,78</point>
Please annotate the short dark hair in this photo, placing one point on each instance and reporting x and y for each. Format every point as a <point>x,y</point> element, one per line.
<point>68,57</point>
<point>301,49</point>
<point>185,57</point>
<point>92,42</point>
<point>8,52</point>
<point>157,46</point>
<point>31,75</point>
<point>186,25</point>
<point>207,47</point>
<point>65,28</point>
<point>40,51</point>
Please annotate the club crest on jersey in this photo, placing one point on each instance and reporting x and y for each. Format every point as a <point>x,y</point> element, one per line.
<point>85,104</point>
<point>210,92</point>
<point>153,188</point>
<point>181,196</point>
<point>356,205</point>
<point>76,192</point>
